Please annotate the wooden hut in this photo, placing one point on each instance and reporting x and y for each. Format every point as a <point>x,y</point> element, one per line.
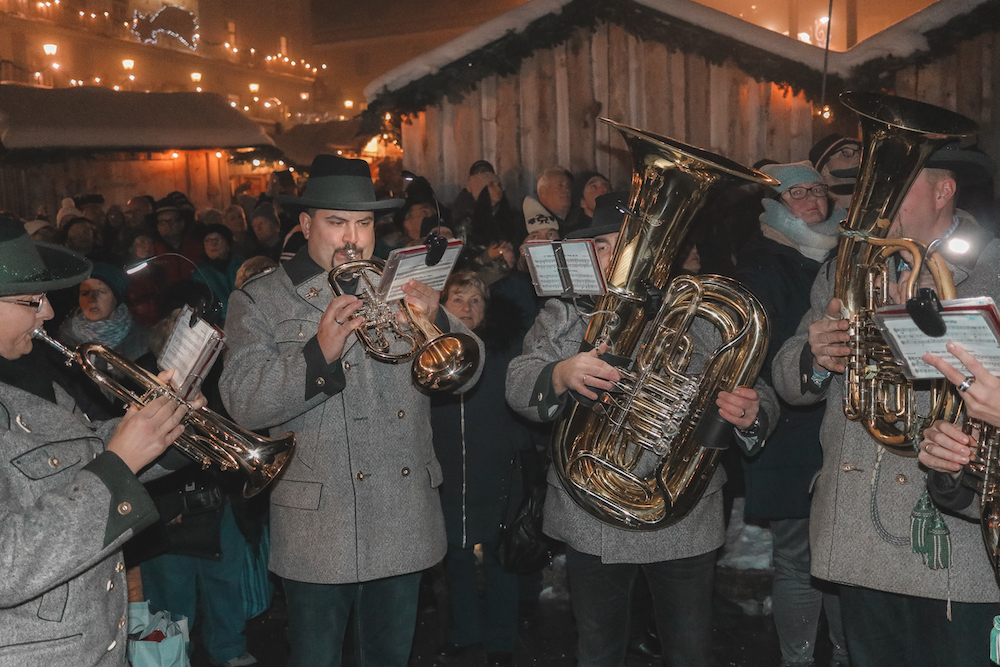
<point>72,141</point>
<point>525,91</point>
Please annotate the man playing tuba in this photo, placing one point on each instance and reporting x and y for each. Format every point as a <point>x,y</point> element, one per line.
<point>602,560</point>
<point>917,586</point>
<point>356,516</point>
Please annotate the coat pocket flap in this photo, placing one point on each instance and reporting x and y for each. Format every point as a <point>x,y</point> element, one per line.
<point>54,457</point>
<point>299,495</point>
<point>434,470</point>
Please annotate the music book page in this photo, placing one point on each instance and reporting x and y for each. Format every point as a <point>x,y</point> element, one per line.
<point>564,268</point>
<point>972,323</point>
<point>191,350</point>
<point>406,264</point>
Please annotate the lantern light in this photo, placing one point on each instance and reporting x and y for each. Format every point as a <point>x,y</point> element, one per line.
<point>348,103</point>
<point>196,77</point>
<point>304,96</point>
<point>254,87</point>
<point>50,49</point>
<point>128,64</point>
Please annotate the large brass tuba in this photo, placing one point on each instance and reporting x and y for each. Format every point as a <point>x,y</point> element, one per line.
<point>441,361</point>
<point>897,136</point>
<point>984,473</point>
<point>207,438</point>
<point>642,459</point>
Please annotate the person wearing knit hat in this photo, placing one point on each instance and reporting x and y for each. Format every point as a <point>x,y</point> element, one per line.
<point>833,153</point>
<point>220,265</point>
<point>67,212</point>
<point>541,224</point>
<point>779,264</point>
<point>267,230</point>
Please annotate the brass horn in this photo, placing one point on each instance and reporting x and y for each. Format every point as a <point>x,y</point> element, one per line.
<point>897,137</point>
<point>441,361</point>
<point>644,457</point>
<point>207,438</point>
<point>984,477</point>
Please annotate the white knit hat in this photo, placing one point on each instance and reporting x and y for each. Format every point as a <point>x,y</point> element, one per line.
<point>536,217</point>
<point>68,210</point>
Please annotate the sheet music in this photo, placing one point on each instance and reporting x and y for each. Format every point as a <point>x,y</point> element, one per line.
<point>406,264</point>
<point>564,268</point>
<point>190,351</point>
<point>974,329</point>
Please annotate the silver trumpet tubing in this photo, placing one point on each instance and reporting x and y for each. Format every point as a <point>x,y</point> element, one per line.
<point>207,438</point>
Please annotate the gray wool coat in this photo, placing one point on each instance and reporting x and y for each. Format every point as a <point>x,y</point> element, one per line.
<point>863,495</point>
<point>66,508</point>
<point>359,499</point>
<point>556,335</point>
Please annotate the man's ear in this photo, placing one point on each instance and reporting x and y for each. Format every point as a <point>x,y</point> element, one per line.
<point>944,192</point>
<point>305,222</point>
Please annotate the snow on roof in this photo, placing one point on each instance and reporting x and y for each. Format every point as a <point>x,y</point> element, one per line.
<point>97,118</point>
<point>899,40</point>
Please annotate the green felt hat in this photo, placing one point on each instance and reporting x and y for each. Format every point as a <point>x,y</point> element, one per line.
<point>340,184</point>
<point>29,267</point>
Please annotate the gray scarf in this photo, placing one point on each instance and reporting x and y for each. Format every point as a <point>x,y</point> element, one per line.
<point>814,241</point>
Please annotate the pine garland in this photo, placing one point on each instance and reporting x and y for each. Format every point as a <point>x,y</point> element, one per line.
<point>503,56</point>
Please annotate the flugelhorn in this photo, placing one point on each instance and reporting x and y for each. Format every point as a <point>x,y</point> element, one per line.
<point>644,458</point>
<point>897,137</point>
<point>983,476</point>
<point>207,438</point>
<point>441,361</point>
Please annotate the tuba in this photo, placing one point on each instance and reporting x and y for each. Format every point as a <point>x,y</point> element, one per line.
<point>207,438</point>
<point>897,137</point>
<point>441,361</point>
<point>643,456</point>
<point>984,473</point>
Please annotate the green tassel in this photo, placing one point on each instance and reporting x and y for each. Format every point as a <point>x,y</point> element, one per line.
<point>940,545</point>
<point>921,520</point>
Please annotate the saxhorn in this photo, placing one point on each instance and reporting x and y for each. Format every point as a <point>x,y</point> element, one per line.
<point>984,477</point>
<point>643,457</point>
<point>207,438</point>
<point>897,137</point>
<point>441,361</point>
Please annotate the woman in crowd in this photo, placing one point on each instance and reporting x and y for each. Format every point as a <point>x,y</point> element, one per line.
<point>69,496</point>
<point>477,439</point>
<point>779,264</point>
<point>219,267</point>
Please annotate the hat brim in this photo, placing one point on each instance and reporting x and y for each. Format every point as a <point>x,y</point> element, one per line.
<point>328,205</point>
<point>63,268</point>
<point>594,232</point>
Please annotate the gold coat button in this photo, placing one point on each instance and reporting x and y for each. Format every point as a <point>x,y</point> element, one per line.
<point>312,293</point>
<point>301,334</point>
<point>405,471</point>
<point>111,585</point>
<point>360,476</point>
<point>901,479</point>
<point>346,365</point>
<point>54,462</point>
<point>400,414</point>
<point>124,508</point>
<point>320,382</point>
<point>119,567</point>
<point>112,645</point>
<point>847,467</point>
<point>121,622</point>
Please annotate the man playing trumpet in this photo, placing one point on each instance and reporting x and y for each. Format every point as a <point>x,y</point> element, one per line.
<point>356,516</point>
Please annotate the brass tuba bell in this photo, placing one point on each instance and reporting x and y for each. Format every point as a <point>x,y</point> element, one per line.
<point>897,137</point>
<point>643,460</point>
<point>207,438</point>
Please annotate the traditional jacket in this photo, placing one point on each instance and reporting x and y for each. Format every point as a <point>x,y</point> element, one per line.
<point>864,497</point>
<point>66,508</point>
<point>359,499</point>
<point>557,335</point>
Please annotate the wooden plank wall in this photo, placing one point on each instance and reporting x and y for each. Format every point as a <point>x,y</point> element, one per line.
<point>199,174</point>
<point>547,114</point>
<point>967,81</point>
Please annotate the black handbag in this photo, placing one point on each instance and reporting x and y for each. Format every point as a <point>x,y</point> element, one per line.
<point>523,548</point>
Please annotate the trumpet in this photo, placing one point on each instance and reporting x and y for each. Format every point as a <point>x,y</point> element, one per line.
<point>441,361</point>
<point>207,438</point>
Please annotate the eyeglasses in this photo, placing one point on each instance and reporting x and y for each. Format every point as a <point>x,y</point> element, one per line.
<point>30,303</point>
<point>818,190</point>
<point>848,151</point>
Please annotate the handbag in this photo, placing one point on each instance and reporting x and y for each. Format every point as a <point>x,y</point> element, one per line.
<point>156,640</point>
<point>523,548</point>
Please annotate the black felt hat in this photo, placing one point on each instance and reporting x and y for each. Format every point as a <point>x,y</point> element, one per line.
<point>607,217</point>
<point>340,184</point>
<point>970,165</point>
<point>29,267</point>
